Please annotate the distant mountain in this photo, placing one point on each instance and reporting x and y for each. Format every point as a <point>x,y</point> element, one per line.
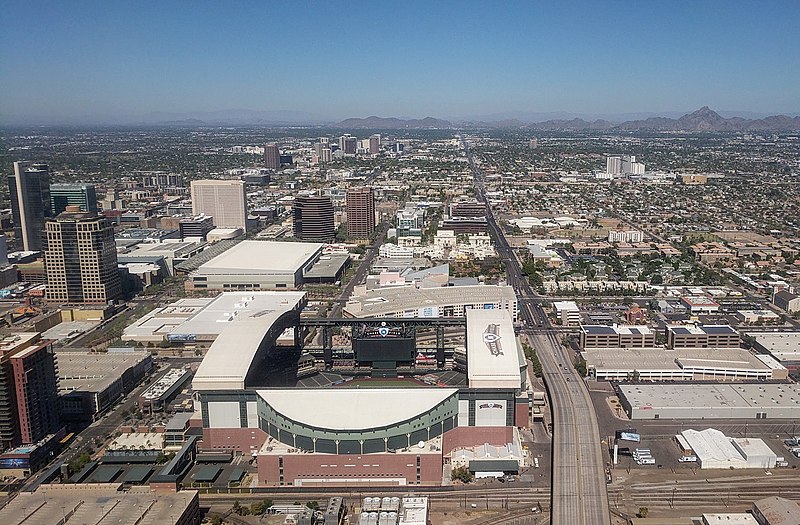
<point>230,117</point>
<point>374,122</point>
<point>705,119</point>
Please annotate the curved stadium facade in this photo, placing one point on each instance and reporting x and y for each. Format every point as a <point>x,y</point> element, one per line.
<point>379,435</point>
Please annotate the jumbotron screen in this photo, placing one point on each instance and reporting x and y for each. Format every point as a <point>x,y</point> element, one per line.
<point>368,349</point>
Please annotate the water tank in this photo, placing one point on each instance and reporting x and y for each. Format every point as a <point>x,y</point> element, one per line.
<point>395,505</point>
<point>383,518</point>
<point>373,518</point>
<point>363,519</point>
<point>385,502</point>
<point>392,518</point>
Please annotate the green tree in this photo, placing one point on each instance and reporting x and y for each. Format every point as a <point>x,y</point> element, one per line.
<point>580,366</point>
<point>216,520</point>
<point>643,511</point>
<point>462,474</point>
<point>313,505</point>
<point>260,507</point>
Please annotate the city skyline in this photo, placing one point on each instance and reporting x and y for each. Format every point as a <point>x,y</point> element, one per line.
<point>117,64</point>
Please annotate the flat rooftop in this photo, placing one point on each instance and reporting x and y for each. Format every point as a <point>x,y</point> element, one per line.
<point>354,408</point>
<point>175,249</point>
<point>784,346</point>
<point>739,395</point>
<point>599,329</point>
<point>327,267</point>
<point>651,359</point>
<point>569,306</point>
<point>383,301</point>
<point>68,330</point>
<point>101,504</point>
<point>701,329</point>
<point>262,257</point>
<point>228,360</point>
<point>93,371</point>
<point>204,318</point>
<point>492,353</point>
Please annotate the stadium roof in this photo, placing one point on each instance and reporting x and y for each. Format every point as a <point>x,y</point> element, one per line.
<point>228,360</point>
<point>262,257</point>
<point>492,354</point>
<point>353,408</point>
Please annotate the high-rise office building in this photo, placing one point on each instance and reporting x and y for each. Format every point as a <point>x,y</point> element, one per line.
<point>323,152</point>
<point>196,226</point>
<point>80,258</point>
<point>348,144</point>
<point>374,144</point>
<point>28,389</point>
<point>3,250</point>
<point>272,156</point>
<point>313,218</point>
<point>29,190</point>
<point>77,194</point>
<point>224,200</point>
<point>614,165</point>
<point>360,212</point>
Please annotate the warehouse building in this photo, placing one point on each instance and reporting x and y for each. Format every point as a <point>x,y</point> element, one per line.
<point>684,364</point>
<point>715,450</point>
<point>257,265</point>
<point>774,510</point>
<point>783,346</point>
<point>711,401</point>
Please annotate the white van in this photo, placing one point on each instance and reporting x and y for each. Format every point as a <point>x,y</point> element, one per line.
<point>687,459</point>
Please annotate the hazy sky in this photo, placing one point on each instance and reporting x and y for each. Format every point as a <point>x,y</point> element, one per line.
<point>336,59</point>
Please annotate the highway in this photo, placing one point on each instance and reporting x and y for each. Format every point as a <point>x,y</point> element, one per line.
<point>579,494</point>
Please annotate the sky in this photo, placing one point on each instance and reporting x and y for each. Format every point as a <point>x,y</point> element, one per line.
<point>118,59</point>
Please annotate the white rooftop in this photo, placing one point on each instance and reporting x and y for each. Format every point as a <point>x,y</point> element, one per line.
<point>492,354</point>
<point>569,306</point>
<point>206,317</point>
<point>229,358</point>
<point>425,302</point>
<point>354,408</point>
<point>711,445</point>
<point>262,257</point>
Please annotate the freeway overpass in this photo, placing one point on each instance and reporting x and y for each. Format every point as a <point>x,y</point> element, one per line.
<point>579,495</point>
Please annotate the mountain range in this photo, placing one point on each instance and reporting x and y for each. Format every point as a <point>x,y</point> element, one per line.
<point>704,119</point>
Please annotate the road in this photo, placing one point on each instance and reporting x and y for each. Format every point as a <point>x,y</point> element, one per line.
<point>360,275</point>
<point>579,494</point>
